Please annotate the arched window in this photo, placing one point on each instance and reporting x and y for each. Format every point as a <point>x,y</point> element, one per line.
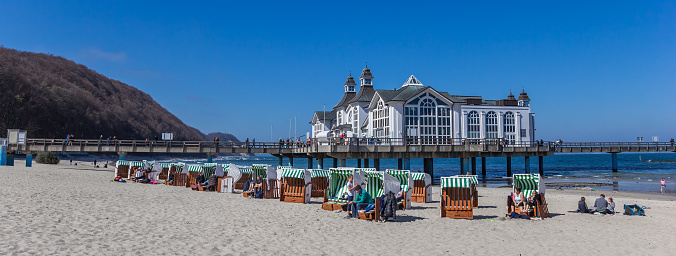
<point>509,129</point>
<point>340,117</point>
<point>355,119</point>
<point>381,120</point>
<point>473,127</point>
<point>491,125</point>
<point>428,124</point>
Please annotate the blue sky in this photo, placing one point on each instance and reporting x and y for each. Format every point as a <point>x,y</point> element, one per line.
<point>599,71</point>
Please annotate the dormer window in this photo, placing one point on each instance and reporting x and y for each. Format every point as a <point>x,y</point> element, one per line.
<point>350,88</point>
<point>367,81</point>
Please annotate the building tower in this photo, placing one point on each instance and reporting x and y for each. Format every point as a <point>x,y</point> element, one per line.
<point>366,77</point>
<point>524,101</point>
<point>350,84</point>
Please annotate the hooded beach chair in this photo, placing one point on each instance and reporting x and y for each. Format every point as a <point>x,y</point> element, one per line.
<point>405,181</point>
<point>320,182</point>
<point>227,175</point>
<point>193,172</point>
<point>529,183</point>
<point>269,175</point>
<point>456,198</point>
<point>164,174</point>
<point>379,183</point>
<point>122,169</point>
<point>334,198</point>
<point>296,185</point>
<point>475,195</point>
<point>245,175</point>
<point>422,190</point>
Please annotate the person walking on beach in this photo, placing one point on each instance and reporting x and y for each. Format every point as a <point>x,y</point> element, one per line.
<point>663,184</point>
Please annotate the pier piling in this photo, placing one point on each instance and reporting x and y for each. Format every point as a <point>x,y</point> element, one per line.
<point>464,166</point>
<point>366,163</point>
<point>400,164</point>
<point>541,165</point>
<point>614,155</point>
<point>335,163</point>
<point>509,167</point>
<point>428,166</point>
<point>376,164</point>
<point>483,166</point>
<point>358,162</point>
<point>527,163</point>
<point>309,163</point>
<point>280,160</point>
<point>473,165</point>
<point>407,164</point>
<point>320,163</point>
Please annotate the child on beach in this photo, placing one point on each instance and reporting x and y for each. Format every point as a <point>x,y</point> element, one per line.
<point>582,206</point>
<point>611,206</point>
<point>664,184</point>
<point>350,195</point>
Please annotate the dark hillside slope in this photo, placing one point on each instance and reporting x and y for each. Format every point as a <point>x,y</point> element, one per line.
<point>51,96</point>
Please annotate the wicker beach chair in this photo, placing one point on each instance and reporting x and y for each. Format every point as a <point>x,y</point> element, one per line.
<point>320,182</point>
<point>245,172</point>
<point>405,181</point>
<point>270,185</point>
<point>475,195</point>
<point>529,183</point>
<point>422,190</point>
<point>164,174</point>
<point>122,169</point>
<point>456,198</point>
<point>379,183</point>
<point>296,186</point>
<point>338,187</point>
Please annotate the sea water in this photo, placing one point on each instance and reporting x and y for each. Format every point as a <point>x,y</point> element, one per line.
<point>592,170</point>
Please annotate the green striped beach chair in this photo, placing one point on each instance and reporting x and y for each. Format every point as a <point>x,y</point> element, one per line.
<point>530,183</point>
<point>270,182</point>
<point>338,187</point>
<point>379,183</point>
<point>320,182</point>
<point>422,187</point>
<point>164,174</point>
<point>122,169</point>
<point>133,165</point>
<point>456,198</point>
<point>406,182</point>
<point>245,174</point>
<point>475,181</point>
<point>193,171</point>
<point>296,185</point>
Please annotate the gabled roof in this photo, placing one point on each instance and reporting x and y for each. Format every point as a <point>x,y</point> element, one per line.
<point>412,81</point>
<point>324,116</point>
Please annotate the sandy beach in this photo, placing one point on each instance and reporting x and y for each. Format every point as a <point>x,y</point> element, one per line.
<point>65,210</point>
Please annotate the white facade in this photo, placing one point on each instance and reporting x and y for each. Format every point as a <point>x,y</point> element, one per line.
<point>423,115</point>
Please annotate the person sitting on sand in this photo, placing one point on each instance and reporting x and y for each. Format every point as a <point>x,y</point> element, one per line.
<point>515,199</point>
<point>611,206</point>
<point>361,200</point>
<point>601,205</point>
<point>256,185</point>
<point>139,175</point>
<point>582,206</point>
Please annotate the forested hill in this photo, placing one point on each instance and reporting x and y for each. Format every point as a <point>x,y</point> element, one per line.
<point>50,97</point>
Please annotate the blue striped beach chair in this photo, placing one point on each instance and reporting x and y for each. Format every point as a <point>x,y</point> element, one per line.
<point>406,183</point>
<point>475,181</point>
<point>422,187</point>
<point>122,169</point>
<point>456,198</point>
<point>530,183</point>
<point>320,182</point>
<point>296,185</point>
<point>334,198</point>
